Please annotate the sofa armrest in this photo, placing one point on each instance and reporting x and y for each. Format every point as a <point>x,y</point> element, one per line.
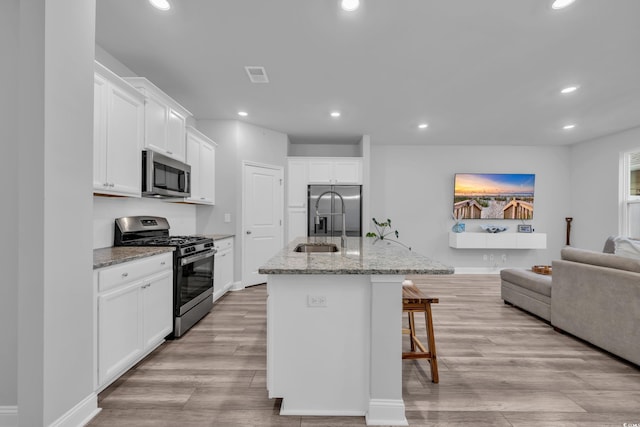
<point>598,304</point>
<point>600,259</point>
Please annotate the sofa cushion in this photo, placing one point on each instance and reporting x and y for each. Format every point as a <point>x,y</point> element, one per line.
<point>538,283</point>
<point>600,259</point>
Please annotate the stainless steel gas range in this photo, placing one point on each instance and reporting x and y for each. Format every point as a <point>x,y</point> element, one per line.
<point>192,265</point>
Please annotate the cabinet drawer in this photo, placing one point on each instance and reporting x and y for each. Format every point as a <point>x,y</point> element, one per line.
<point>111,277</point>
<point>223,244</point>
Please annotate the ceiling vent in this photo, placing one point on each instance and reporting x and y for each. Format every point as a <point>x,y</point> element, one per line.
<point>257,74</point>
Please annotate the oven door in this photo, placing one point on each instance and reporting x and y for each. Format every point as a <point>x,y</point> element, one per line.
<point>194,280</point>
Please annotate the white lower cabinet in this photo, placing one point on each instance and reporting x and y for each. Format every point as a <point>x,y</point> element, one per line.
<point>135,313</point>
<point>223,267</point>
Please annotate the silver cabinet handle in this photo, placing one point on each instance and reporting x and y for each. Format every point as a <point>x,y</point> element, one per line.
<point>248,231</point>
<point>169,152</point>
<point>163,263</point>
<point>112,185</point>
<point>125,274</point>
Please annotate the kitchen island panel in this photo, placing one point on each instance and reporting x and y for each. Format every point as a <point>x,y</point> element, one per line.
<point>317,335</point>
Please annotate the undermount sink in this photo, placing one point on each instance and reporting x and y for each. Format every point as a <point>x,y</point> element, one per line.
<point>316,247</point>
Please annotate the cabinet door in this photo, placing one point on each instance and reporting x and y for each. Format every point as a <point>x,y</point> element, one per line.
<point>207,173</point>
<point>193,159</point>
<point>119,332</point>
<point>156,116</point>
<point>124,142</point>
<point>157,309</point>
<point>99,133</point>
<point>297,223</point>
<point>223,268</point>
<point>297,183</point>
<point>176,128</point>
<point>320,172</point>
<point>227,271</point>
<point>347,171</point>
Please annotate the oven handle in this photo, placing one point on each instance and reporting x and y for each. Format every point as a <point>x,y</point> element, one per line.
<point>197,257</point>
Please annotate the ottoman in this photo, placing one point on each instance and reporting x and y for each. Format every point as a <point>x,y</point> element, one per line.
<point>527,290</point>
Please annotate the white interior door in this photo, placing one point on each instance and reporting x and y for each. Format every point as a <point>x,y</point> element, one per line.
<point>262,219</point>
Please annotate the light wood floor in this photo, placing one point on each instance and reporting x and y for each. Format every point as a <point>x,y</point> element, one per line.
<point>498,367</point>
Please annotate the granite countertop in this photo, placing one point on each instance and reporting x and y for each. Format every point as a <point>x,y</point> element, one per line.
<point>105,257</point>
<point>361,256</point>
<point>219,236</point>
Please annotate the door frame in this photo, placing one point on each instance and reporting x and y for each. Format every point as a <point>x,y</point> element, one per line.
<point>243,228</point>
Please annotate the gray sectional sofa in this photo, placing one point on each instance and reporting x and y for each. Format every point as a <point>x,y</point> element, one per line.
<point>592,295</point>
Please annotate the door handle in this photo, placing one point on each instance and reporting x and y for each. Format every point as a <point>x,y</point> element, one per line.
<point>248,231</point>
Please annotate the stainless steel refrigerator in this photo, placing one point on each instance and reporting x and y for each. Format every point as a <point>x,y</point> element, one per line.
<point>331,225</point>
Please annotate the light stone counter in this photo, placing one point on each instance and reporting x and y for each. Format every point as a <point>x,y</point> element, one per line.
<point>105,257</point>
<point>361,256</point>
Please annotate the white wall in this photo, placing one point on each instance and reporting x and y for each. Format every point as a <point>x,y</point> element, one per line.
<point>181,217</point>
<point>594,188</point>
<point>109,61</point>
<point>413,186</point>
<point>237,142</point>
<point>325,150</point>
<point>55,300</point>
<point>9,212</point>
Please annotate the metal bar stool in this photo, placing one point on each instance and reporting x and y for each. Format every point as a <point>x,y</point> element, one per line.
<point>414,301</point>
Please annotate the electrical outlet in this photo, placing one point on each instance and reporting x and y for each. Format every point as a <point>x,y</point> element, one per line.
<point>316,301</point>
<point>504,258</point>
<point>227,217</point>
<point>491,258</point>
<point>484,257</point>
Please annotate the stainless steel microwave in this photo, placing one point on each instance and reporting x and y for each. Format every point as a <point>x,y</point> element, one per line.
<point>164,177</point>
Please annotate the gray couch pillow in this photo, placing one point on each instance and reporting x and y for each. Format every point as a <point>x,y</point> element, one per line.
<point>598,258</point>
<point>609,245</point>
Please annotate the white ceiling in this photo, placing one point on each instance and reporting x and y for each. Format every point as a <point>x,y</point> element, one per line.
<point>478,71</point>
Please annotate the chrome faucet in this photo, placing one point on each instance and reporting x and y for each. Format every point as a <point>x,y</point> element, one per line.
<point>343,237</point>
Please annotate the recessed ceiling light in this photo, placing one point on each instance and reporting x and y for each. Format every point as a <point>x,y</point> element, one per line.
<point>243,113</point>
<point>423,126</point>
<point>161,4</point>
<point>350,5</point>
<point>561,4</point>
<point>335,114</point>
<point>569,89</point>
<point>568,127</point>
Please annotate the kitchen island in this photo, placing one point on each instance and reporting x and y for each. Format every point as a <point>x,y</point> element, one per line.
<point>334,328</point>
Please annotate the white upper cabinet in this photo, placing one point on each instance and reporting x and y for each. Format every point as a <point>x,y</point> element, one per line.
<point>297,183</point>
<point>164,120</point>
<point>118,135</point>
<point>335,171</point>
<point>201,156</point>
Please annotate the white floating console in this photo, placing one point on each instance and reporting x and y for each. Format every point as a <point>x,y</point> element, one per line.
<point>470,240</point>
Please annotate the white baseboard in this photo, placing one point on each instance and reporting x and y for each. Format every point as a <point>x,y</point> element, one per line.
<point>237,286</point>
<point>385,412</point>
<point>80,414</point>
<point>477,270</point>
<point>319,413</point>
<point>8,416</point>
